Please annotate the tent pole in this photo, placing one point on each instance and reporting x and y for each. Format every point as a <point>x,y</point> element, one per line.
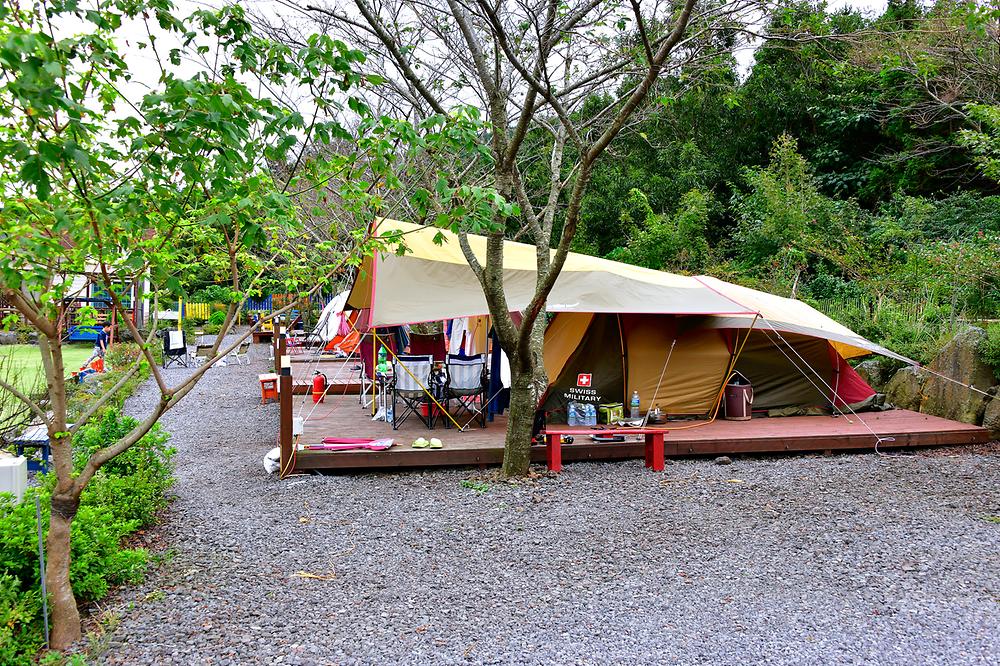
<point>374,370</point>
<point>621,342</point>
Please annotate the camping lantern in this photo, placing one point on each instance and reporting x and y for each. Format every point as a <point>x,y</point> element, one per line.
<point>739,398</point>
<point>319,387</point>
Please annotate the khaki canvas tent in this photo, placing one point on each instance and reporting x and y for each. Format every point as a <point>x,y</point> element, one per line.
<point>615,326</point>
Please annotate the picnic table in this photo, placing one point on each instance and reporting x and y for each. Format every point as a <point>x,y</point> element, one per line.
<point>554,434</point>
<point>35,437</point>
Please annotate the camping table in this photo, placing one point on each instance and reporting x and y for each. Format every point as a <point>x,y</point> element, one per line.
<point>554,435</point>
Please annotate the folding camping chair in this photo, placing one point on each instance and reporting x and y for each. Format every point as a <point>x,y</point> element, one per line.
<point>467,385</point>
<point>202,353</point>
<point>241,353</point>
<point>411,375</point>
<point>175,349</point>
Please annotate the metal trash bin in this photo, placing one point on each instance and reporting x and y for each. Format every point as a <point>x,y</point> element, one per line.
<point>739,398</point>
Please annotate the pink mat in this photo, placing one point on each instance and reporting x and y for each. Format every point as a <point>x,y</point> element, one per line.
<point>350,443</point>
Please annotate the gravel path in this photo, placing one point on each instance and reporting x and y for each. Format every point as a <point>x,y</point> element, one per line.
<point>851,559</point>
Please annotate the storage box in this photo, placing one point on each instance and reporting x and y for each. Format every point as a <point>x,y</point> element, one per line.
<point>426,409</point>
<point>14,476</point>
<point>611,412</point>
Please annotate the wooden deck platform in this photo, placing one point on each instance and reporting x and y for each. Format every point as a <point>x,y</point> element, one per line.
<point>342,378</point>
<point>343,417</point>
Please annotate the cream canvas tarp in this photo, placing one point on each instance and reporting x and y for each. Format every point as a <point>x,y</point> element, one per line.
<point>790,316</point>
<point>433,282</point>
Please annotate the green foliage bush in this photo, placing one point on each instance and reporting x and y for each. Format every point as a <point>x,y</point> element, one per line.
<point>134,484</point>
<point>989,351</point>
<point>217,318</point>
<point>20,633</point>
<point>122,355</point>
<point>215,293</point>
<point>124,495</point>
<point>675,243</point>
<point>119,359</point>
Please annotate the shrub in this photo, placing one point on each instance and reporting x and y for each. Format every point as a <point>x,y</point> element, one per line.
<point>123,496</point>
<point>212,329</point>
<point>20,633</point>
<point>217,318</point>
<point>122,355</point>
<point>133,485</point>
<point>119,358</point>
<point>989,350</point>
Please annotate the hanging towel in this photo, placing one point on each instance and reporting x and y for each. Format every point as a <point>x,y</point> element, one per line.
<point>456,334</point>
<point>476,336</point>
<point>499,389</point>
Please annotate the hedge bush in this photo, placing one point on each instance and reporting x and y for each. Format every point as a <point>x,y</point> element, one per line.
<point>990,349</point>
<point>124,496</point>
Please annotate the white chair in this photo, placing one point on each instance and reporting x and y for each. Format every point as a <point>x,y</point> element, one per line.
<point>467,385</point>
<point>410,376</point>
<point>241,353</point>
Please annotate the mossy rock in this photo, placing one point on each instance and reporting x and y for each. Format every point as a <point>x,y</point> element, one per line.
<point>959,360</point>
<point>905,389</point>
<point>991,416</point>
<point>873,372</point>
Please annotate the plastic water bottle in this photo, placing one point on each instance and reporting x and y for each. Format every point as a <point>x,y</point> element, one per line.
<point>591,414</point>
<point>633,412</point>
<point>571,414</point>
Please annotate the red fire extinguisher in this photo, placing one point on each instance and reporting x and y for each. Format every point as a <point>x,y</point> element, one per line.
<point>319,387</point>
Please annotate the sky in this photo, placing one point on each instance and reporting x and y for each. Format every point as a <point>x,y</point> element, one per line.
<point>266,8</point>
<point>145,72</point>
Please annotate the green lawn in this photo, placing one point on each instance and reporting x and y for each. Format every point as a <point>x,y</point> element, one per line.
<point>23,363</point>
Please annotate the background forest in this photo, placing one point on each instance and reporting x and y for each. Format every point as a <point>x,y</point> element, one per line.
<point>851,171</point>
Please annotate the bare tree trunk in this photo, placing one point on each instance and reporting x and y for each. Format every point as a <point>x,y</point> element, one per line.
<point>65,614</point>
<point>539,378</point>
<point>64,502</point>
<point>517,447</point>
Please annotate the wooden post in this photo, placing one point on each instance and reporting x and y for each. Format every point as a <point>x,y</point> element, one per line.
<point>278,340</point>
<point>285,444</point>
<point>553,451</point>
<point>654,451</point>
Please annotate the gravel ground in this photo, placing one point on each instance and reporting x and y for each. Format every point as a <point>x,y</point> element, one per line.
<point>850,559</point>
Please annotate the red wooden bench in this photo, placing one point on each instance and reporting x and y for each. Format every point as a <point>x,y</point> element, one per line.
<point>553,442</point>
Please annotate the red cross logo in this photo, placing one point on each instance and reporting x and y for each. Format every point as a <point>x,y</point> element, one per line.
<point>583,380</point>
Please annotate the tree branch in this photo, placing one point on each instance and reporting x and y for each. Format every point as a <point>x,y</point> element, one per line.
<point>31,404</point>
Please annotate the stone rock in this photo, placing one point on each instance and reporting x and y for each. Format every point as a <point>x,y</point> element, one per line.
<point>959,360</point>
<point>905,389</point>
<point>8,338</point>
<point>991,416</point>
<point>723,460</point>
<point>873,373</point>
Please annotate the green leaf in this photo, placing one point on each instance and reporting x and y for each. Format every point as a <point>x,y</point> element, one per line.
<point>33,172</point>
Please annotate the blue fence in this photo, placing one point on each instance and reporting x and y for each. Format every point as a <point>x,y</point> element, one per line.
<point>277,301</point>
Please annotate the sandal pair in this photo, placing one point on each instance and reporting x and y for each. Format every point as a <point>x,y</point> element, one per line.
<point>421,443</point>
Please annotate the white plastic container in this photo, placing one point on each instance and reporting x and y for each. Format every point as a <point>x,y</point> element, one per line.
<point>14,476</point>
